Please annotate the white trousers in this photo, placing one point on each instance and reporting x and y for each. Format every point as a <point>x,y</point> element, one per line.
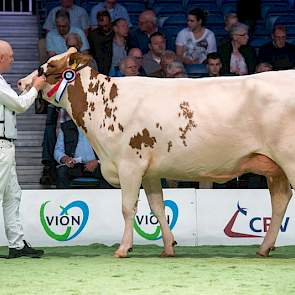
<point>10,194</point>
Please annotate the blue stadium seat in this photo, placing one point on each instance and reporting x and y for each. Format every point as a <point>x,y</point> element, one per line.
<point>196,70</point>
<point>84,182</point>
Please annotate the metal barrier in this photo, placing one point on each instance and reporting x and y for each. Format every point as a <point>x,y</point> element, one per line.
<point>16,7</point>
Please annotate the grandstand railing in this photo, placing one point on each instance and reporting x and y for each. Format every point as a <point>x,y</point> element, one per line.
<point>16,7</point>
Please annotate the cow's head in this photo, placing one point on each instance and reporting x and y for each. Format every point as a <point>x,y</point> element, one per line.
<point>56,70</point>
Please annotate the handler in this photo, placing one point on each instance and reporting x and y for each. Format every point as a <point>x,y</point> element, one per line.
<point>10,191</point>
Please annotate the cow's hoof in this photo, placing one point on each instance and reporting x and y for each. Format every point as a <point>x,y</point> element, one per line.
<point>265,253</point>
<point>170,252</point>
<point>122,254</point>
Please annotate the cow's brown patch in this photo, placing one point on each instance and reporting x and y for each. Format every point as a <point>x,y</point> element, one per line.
<point>93,88</point>
<point>78,101</point>
<point>108,78</point>
<point>169,146</point>
<point>187,114</point>
<point>111,128</point>
<point>121,128</point>
<point>92,107</point>
<point>102,88</point>
<point>108,111</point>
<point>115,118</point>
<point>113,92</point>
<point>157,125</point>
<point>145,139</point>
<point>93,74</point>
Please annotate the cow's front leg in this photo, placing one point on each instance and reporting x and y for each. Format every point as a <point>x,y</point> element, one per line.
<point>154,194</point>
<point>130,180</point>
<point>280,196</point>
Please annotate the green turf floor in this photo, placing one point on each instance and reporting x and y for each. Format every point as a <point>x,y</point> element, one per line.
<point>195,270</point>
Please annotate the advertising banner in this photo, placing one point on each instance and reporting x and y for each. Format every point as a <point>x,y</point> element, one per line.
<point>239,217</point>
<point>83,217</point>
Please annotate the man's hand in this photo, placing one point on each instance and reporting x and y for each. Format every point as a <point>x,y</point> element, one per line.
<point>91,165</point>
<point>68,161</point>
<point>39,82</point>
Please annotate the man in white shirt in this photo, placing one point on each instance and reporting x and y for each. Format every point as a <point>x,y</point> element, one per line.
<point>10,191</point>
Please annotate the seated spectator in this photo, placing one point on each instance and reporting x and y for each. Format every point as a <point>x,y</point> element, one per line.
<point>214,64</point>
<point>78,16</point>
<point>279,53</point>
<point>151,60</point>
<point>129,67</point>
<point>263,67</point>
<point>136,53</point>
<point>147,25</point>
<point>55,39</point>
<point>115,10</point>
<point>195,42</point>
<point>75,156</point>
<point>230,19</point>
<point>120,48</point>
<point>175,69</point>
<point>101,42</point>
<point>167,58</point>
<point>237,56</point>
<point>74,40</point>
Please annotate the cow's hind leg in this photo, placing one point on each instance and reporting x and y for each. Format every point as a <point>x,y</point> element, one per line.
<point>281,193</point>
<point>154,194</point>
<point>130,181</point>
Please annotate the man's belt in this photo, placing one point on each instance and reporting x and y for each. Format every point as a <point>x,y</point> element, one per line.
<point>8,139</point>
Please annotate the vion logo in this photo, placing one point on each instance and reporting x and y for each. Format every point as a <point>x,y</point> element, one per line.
<point>151,222</point>
<point>68,223</point>
<point>257,224</point>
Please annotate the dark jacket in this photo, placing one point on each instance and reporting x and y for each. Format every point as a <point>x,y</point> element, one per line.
<point>279,58</point>
<point>101,48</point>
<point>225,50</point>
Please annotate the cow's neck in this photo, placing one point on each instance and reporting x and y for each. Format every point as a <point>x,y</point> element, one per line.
<point>91,103</point>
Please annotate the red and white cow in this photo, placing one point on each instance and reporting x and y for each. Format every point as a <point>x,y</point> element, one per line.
<point>215,129</point>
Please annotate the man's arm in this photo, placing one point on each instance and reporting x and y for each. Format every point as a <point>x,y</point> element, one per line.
<point>19,103</point>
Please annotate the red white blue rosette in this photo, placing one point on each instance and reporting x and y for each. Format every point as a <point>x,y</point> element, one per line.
<point>68,76</point>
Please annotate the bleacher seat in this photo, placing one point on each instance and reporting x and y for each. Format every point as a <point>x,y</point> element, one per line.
<point>84,182</point>
<point>196,70</point>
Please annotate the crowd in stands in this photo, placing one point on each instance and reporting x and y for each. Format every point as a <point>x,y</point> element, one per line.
<point>120,49</point>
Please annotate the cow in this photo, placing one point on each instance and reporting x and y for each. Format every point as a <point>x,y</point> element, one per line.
<point>210,129</point>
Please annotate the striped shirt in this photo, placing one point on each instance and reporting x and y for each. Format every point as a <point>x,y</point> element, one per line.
<point>78,17</point>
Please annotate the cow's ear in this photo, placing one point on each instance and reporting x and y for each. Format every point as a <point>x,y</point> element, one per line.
<point>78,58</point>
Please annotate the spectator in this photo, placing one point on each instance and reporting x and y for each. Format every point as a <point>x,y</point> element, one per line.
<point>129,66</point>
<point>78,16</point>
<point>151,60</point>
<point>279,53</point>
<point>75,155</point>
<point>237,56</point>
<point>175,69</point>
<point>120,28</point>
<point>230,19</point>
<point>74,40</point>
<point>147,25</point>
<point>214,64</point>
<point>137,54</point>
<point>195,42</point>
<point>55,39</point>
<point>263,67</point>
<point>101,42</point>
<point>167,58</point>
<point>115,10</point>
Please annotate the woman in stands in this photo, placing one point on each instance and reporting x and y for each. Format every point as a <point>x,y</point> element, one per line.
<point>237,57</point>
<point>194,42</point>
